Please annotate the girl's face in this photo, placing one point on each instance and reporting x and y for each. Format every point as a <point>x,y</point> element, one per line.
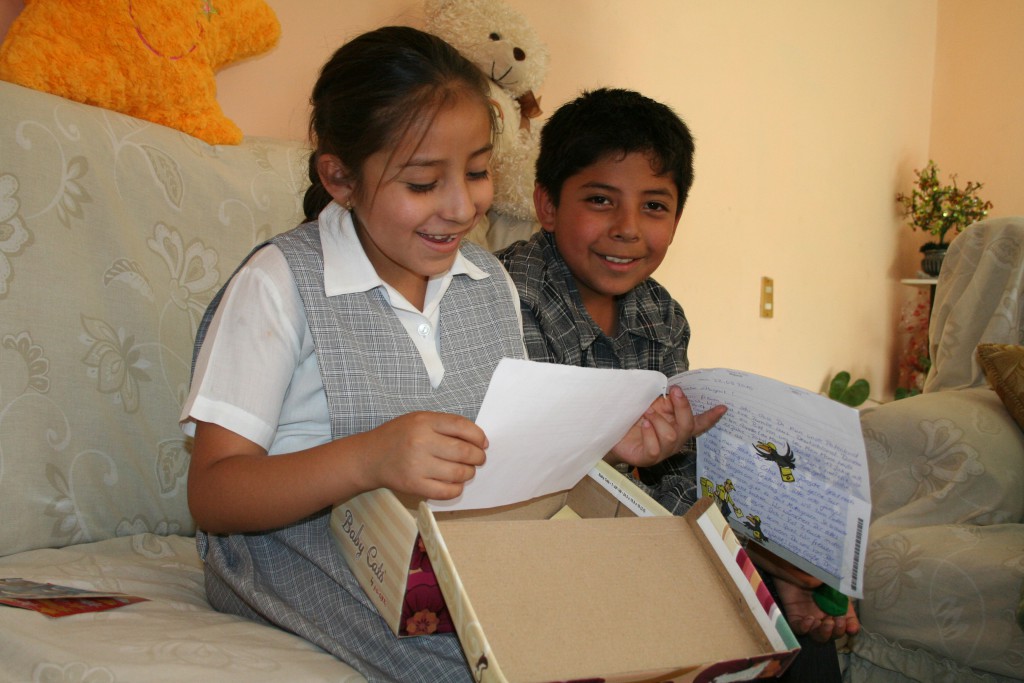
<point>420,198</point>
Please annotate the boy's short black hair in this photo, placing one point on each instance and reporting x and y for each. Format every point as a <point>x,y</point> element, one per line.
<point>614,121</point>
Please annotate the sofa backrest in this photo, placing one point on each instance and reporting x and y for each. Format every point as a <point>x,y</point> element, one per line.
<point>979,298</point>
<point>114,235</point>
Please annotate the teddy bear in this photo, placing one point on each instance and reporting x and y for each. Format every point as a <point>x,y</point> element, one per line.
<point>500,41</point>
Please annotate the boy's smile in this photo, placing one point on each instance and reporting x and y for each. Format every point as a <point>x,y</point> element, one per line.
<point>613,225</point>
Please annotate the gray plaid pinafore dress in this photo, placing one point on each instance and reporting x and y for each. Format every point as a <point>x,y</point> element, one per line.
<point>294,577</point>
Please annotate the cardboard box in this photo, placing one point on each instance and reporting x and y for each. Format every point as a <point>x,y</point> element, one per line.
<point>615,588</point>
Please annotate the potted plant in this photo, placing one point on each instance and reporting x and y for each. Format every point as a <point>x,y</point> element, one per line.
<point>941,210</point>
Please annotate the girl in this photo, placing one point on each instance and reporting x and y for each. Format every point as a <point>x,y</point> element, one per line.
<point>353,352</point>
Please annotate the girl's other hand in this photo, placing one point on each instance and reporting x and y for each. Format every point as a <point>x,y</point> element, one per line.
<point>425,454</point>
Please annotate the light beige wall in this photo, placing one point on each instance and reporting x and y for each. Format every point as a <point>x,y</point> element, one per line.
<point>809,117</point>
<point>978,110</point>
<point>9,9</point>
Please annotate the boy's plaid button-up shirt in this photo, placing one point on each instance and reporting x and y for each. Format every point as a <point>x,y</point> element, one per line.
<point>653,335</point>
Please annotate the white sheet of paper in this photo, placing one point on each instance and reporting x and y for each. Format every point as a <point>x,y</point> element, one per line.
<point>548,425</point>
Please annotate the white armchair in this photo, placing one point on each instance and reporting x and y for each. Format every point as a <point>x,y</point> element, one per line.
<point>945,563</point>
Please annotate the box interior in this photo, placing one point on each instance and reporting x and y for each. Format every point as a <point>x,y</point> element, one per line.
<point>588,499</point>
<point>643,593</point>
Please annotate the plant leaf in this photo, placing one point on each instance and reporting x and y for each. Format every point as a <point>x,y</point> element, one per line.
<point>856,393</point>
<point>838,385</point>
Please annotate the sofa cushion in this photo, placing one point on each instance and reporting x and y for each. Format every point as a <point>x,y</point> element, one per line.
<point>114,235</point>
<point>943,569</point>
<point>1004,369</point>
<point>175,632</point>
<point>946,457</point>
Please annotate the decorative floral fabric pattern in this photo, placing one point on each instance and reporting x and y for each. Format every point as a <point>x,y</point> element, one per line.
<point>945,563</point>
<point>423,610</point>
<point>114,234</point>
<point>979,299</point>
<point>13,235</point>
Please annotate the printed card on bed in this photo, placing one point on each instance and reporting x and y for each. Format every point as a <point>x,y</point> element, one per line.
<point>59,601</point>
<point>788,469</point>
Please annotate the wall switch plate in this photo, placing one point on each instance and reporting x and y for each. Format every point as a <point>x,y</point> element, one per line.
<point>767,297</point>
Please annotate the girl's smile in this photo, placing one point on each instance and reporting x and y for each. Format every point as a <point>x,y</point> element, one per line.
<point>440,239</point>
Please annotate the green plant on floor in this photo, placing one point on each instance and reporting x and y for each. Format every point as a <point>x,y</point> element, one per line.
<point>851,394</point>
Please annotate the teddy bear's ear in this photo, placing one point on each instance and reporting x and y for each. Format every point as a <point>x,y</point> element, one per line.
<point>436,6</point>
<point>445,12</point>
<point>152,60</point>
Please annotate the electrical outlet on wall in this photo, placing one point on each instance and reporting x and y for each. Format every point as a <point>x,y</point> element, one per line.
<point>767,297</point>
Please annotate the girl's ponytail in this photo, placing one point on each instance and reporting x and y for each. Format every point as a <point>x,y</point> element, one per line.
<point>317,197</point>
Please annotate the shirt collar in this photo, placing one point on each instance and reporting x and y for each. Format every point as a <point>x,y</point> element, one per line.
<point>347,269</point>
<point>637,316</point>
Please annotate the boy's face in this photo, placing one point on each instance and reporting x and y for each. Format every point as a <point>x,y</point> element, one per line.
<point>613,225</point>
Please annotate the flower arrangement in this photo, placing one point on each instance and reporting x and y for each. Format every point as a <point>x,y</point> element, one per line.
<point>939,209</point>
<point>914,361</point>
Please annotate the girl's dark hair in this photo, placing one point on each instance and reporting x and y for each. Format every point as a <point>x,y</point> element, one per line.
<point>614,121</point>
<point>373,89</point>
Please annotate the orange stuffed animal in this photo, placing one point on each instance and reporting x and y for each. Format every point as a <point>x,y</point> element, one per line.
<point>152,59</point>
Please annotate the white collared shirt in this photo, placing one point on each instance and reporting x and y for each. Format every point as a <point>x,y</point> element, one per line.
<point>347,270</point>
<point>256,373</point>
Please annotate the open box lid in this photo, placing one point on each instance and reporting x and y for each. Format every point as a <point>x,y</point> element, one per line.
<point>616,599</point>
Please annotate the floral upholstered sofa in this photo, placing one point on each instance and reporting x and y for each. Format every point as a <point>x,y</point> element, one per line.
<point>945,563</point>
<point>114,234</point>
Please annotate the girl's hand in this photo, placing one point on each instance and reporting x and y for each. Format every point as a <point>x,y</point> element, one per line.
<point>429,455</point>
<point>663,430</point>
<point>234,486</point>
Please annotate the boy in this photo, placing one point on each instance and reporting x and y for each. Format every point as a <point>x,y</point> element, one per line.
<point>613,174</point>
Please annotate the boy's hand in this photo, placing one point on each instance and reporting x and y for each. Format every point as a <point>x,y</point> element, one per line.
<point>806,618</point>
<point>429,455</point>
<point>795,588</point>
<point>663,430</point>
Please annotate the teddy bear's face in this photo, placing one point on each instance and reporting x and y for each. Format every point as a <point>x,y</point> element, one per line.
<point>504,60</point>
<point>494,37</point>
